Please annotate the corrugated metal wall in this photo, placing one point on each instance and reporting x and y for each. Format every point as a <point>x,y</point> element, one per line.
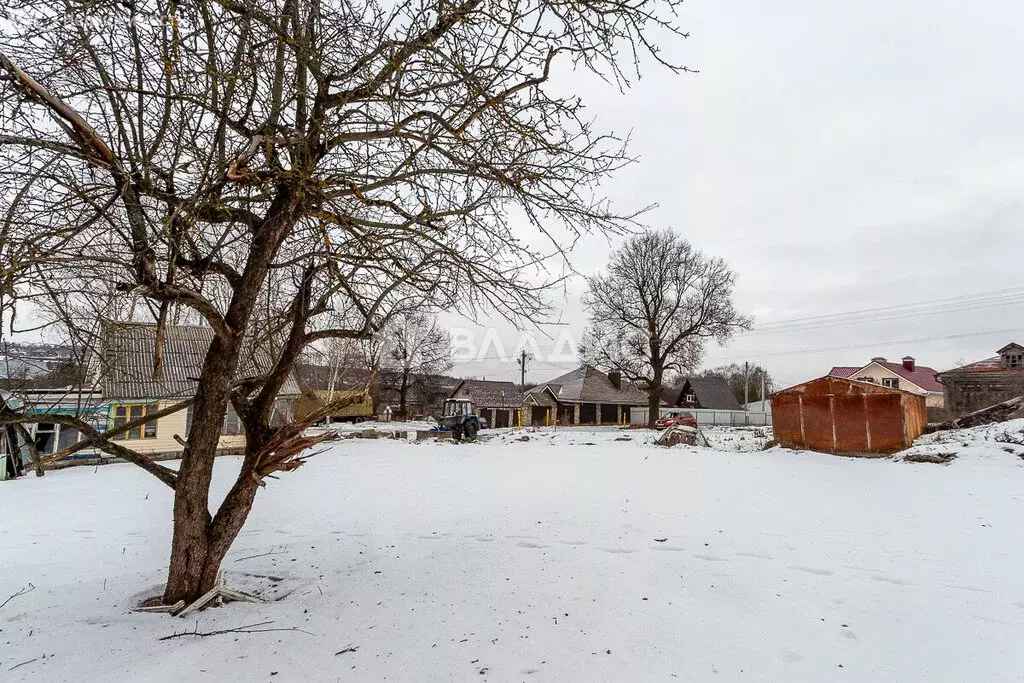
<point>835,415</point>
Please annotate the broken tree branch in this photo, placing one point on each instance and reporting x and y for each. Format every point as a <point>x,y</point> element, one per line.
<point>250,628</point>
<point>27,589</point>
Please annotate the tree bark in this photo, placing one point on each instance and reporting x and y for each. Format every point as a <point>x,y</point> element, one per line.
<point>190,543</point>
<point>653,404</point>
<point>403,391</point>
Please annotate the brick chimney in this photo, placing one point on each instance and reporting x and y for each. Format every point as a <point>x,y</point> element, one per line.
<point>908,363</point>
<point>615,377</point>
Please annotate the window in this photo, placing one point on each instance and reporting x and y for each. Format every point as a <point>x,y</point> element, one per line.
<point>46,437</point>
<point>869,380</point>
<point>1013,360</point>
<point>232,423</point>
<point>891,382</point>
<point>690,398</point>
<point>67,437</point>
<point>124,414</point>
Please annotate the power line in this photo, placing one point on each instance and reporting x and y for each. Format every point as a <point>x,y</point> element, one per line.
<point>890,316</point>
<point>1019,291</point>
<point>876,344</point>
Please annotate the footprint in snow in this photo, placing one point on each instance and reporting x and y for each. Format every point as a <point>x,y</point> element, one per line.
<point>711,558</point>
<point>573,542</point>
<point>616,551</point>
<point>812,570</point>
<point>532,544</point>
<point>890,579</point>
<point>757,556</point>
<point>668,548</point>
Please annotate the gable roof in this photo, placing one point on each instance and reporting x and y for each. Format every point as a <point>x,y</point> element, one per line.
<point>488,393</point>
<point>128,350</point>
<point>993,364</point>
<point>587,384</point>
<point>711,392</point>
<point>541,396</point>
<point>839,385</point>
<point>1012,346</point>
<point>924,377</point>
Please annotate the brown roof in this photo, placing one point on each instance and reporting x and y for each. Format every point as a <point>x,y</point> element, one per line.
<point>488,393</point>
<point>540,396</point>
<point>324,377</point>
<point>994,364</point>
<point>587,384</point>
<point>126,365</point>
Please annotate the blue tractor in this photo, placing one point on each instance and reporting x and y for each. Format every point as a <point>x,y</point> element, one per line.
<point>460,419</point>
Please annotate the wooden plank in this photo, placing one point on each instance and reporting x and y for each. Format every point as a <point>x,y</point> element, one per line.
<point>158,609</point>
<point>238,596</point>
<point>201,602</point>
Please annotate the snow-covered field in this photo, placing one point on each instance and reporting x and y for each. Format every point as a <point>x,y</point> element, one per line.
<point>581,555</point>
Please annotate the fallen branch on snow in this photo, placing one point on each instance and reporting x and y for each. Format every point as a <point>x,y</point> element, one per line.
<point>23,664</point>
<point>27,589</point>
<point>250,628</point>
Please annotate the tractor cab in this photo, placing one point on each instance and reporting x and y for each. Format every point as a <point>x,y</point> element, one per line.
<point>458,406</point>
<point>459,419</point>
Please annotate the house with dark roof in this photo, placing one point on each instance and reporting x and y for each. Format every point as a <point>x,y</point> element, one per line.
<point>128,379</point>
<point>703,392</point>
<point>985,382</point>
<point>133,383</point>
<point>495,401</point>
<point>906,375</point>
<point>585,396</point>
<point>323,385</point>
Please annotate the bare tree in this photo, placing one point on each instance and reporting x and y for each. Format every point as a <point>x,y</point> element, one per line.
<point>288,173</point>
<point>414,349</point>
<point>745,384</point>
<point>654,309</point>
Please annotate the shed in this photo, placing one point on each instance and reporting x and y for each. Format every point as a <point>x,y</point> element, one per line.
<point>837,415</point>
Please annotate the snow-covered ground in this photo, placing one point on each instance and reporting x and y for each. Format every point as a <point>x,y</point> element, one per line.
<point>577,555</point>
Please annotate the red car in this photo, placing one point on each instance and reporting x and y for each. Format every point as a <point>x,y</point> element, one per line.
<point>676,417</point>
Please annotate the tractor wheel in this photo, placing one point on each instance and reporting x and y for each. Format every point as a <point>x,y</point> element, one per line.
<point>457,432</point>
<point>471,429</point>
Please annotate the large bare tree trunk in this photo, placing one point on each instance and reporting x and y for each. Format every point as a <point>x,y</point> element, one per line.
<point>403,392</point>
<point>190,544</point>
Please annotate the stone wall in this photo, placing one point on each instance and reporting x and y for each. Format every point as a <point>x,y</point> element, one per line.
<point>969,392</point>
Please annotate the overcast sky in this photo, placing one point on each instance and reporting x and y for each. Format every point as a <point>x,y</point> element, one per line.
<point>840,156</point>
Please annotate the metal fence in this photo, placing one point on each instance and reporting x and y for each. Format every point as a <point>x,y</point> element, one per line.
<point>730,418</point>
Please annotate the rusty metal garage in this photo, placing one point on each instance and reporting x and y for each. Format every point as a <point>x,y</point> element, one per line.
<point>835,415</point>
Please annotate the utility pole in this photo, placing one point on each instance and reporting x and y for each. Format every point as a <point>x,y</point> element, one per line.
<point>746,384</point>
<point>522,368</point>
<point>762,391</point>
